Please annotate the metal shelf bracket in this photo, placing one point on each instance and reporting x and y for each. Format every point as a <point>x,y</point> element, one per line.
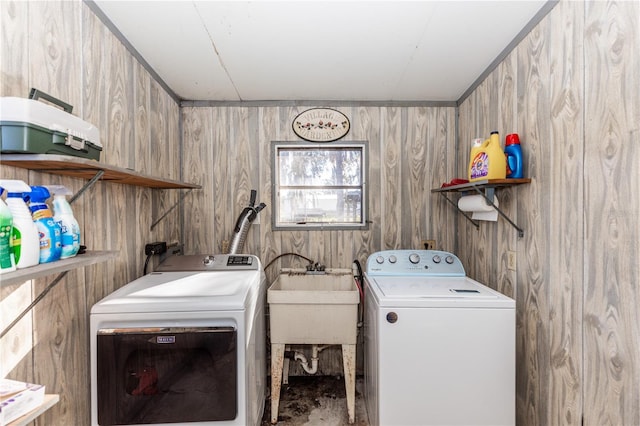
<point>489,194</point>
<point>87,185</point>
<point>176,204</point>
<point>486,188</point>
<point>454,204</point>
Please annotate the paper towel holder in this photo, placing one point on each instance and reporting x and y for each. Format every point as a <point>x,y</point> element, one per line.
<point>486,188</point>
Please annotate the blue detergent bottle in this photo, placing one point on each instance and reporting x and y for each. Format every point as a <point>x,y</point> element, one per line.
<point>50,232</point>
<point>513,153</point>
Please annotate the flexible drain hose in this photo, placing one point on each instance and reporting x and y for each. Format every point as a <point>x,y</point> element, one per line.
<point>243,223</point>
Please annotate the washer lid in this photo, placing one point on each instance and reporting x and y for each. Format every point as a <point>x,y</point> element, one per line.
<point>424,291</point>
<point>183,292</point>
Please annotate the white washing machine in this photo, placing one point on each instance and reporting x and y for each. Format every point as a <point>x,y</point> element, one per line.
<point>182,345</point>
<point>439,346</point>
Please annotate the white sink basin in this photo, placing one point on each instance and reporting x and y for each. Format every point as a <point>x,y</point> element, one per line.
<point>313,309</point>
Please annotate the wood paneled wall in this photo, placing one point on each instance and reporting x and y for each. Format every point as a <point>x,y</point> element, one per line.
<point>63,49</point>
<point>228,150</point>
<point>570,90</point>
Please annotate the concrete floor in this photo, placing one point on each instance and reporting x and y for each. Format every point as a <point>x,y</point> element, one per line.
<point>316,400</point>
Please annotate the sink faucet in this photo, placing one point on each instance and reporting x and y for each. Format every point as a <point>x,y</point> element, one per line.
<point>316,268</point>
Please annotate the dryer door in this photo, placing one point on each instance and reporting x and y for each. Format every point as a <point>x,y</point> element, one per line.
<point>166,375</point>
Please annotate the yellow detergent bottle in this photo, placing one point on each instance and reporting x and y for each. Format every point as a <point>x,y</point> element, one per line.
<point>488,161</point>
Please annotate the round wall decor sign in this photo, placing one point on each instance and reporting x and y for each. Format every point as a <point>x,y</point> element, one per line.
<point>321,125</point>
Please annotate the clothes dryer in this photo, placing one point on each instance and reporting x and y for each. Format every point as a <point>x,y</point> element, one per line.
<point>182,345</point>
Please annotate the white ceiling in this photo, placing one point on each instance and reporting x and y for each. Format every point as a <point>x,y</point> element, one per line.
<point>320,50</point>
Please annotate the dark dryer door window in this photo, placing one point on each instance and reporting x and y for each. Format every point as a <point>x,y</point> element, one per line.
<point>166,375</point>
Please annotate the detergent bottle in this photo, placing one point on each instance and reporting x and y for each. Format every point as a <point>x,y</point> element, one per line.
<point>7,263</point>
<point>63,216</point>
<point>476,144</point>
<point>488,161</point>
<point>25,240</point>
<point>513,152</point>
<point>49,230</point>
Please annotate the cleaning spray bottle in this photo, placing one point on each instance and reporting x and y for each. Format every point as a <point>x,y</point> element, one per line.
<point>63,216</point>
<point>25,240</point>
<point>489,161</point>
<point>50,233</point>
<point>7,263</point>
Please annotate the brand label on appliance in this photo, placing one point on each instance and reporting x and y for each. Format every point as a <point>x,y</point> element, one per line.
<point>165,339</point>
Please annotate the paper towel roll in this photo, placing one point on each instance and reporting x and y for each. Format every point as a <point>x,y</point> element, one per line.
<point>478,206</point>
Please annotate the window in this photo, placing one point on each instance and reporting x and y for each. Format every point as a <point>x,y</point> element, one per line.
<point>319,186</point>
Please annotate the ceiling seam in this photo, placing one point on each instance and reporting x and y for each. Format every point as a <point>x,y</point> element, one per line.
<point>215,49</point>
<point>415,49</point>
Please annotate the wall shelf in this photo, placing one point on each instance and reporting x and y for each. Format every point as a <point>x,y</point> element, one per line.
<point>57,267</point>
<point>83,168</point>
<point>486,188</point>
<point>49,401</point>
<point>93,171</point>
<point>61,267</point>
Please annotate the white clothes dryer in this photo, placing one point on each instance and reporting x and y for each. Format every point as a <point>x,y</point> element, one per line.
<point>182,345</point>
<point>439,346</point>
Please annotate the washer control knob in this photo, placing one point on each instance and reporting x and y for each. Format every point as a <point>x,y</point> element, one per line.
<point>436,259</point>
<point>449,259</point>
<point>414,258</point>
<point>208,261</point>
<point>393,259</point>
<point>380,259</point>
<point>392,317</point>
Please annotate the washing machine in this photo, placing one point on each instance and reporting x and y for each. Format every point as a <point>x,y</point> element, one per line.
<point>184,344</point>
<point>439,346</point>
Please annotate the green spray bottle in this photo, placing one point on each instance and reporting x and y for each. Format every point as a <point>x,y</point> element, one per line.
<point>25,240</point>
<point>7,263</point>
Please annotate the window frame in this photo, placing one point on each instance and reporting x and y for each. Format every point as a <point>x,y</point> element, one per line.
<point>363,225</point>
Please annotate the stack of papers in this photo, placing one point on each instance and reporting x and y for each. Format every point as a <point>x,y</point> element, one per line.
<point>18,398</point>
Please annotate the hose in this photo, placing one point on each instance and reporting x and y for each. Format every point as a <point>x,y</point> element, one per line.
<point>287,254</point>
<point>359,280</point>
<point>146,263</point>
<point>246,217</point>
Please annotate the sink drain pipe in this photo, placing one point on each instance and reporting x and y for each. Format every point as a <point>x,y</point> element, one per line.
<point>304,363</point>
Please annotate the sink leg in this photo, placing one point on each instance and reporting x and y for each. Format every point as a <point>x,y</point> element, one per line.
<point>349,365</point>
<point>277,359</point>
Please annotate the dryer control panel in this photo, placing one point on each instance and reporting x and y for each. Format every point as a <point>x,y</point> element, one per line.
<point>433,263</point>
<point>210,262</point>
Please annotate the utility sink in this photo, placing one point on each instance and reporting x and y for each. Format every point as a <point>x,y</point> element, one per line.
<point>313,308</point>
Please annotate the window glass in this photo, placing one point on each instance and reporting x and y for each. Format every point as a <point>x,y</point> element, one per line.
<point>319,185</point>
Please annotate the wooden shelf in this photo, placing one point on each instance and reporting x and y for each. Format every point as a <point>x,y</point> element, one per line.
<point>482,184</point>
<point>486,188</point>
<point>87,169</point>
<point>59,266</point>
<point>49,401</point>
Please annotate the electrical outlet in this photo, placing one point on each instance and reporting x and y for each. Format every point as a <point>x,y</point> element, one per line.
<point>511,260</point>
<point>427,244</point>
